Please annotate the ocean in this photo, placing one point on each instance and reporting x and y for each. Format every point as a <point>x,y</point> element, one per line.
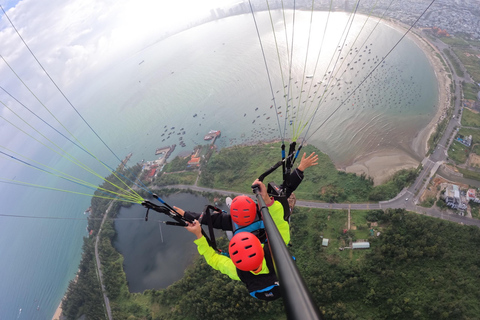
<point>209,77</point>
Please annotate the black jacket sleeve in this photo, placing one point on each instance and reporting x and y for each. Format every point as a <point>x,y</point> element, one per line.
<point>220,220</point>
<point>293,181</point>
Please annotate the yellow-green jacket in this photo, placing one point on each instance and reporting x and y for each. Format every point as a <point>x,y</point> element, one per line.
<point>224,264</point>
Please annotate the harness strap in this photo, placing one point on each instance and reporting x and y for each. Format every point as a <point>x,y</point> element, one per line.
<point>250,228</point>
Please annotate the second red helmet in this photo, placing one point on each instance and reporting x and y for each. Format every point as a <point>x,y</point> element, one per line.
<point>246,251</point>
<point>243,210</point>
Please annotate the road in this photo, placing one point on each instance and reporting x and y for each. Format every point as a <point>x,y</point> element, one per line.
<point>99,269</point>
<point>398,202</point>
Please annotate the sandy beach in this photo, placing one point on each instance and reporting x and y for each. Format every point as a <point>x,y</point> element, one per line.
<point>58,313</point>
<point>383,164</point>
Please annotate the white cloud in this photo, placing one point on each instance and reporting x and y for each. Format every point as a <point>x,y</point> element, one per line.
<point>74,37</point>
<point>78,39</point>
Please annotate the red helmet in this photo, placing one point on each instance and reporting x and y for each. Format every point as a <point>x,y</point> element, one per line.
<point>243,210</point>
<point>246,251</point>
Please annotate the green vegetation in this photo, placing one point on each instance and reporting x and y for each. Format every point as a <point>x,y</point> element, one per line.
<point>466,51</point>
<point>419,267</point>
<point>443,61</point>
<point>475,133</point>
<point>469,174</point>
<point>429,202</point>
<point>458,152</point>
<point>84,295</point>
<point>235,169</point>
<point>177,164</point>
<point>166,179</point>
<point>441,204</point>
<point>437,135</point>
<point>454,41</point>
<point>470,119</point>
<point>454,62</point>
<point>471,62</point>
<point>475,209</point>
<point>470,91</point>
<point>392,187</point>
<point>476,149</point>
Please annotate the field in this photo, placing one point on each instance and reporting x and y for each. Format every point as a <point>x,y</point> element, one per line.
<point>187,177</point>
<point>469,174</point>
<point>458,152</point>
<point>469,59</point>
<point>470,119</point>
<point>467,51</point>
<point>470,91</point>
<point>332,225</point>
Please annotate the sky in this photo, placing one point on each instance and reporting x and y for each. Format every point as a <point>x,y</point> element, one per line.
<point>75,37</point>
<point>75,40</point>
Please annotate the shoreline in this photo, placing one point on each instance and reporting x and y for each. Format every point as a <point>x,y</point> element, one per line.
<point>58,313</point>
<point>381,165</point>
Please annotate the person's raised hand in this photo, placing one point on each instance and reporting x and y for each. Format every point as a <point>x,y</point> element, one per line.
<point>311,160</point>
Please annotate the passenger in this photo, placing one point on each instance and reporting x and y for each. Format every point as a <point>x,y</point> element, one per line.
<point>250,261</point>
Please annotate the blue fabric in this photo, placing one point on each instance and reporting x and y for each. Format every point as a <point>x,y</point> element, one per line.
<point>251,227</point>
<point>253,293</point>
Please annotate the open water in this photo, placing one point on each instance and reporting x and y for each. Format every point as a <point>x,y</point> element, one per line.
<point>210,77</point>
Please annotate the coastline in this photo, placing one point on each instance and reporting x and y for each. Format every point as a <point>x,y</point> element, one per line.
<point>58,313</point>
<point>381,165</point>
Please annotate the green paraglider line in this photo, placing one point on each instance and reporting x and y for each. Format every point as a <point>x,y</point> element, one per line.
<point>70,158</point>
<point>66,176</point>
<point>70,140</point>
<point>71,218</point>
<point>22,183</point>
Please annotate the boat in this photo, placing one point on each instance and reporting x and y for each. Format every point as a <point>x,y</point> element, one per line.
<point>212,134</point>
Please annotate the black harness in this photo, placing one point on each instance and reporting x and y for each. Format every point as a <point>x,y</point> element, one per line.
<point>262,286</point>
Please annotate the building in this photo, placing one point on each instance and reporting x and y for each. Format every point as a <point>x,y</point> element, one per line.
<point>466,141</point>
<point>453,198</point>
<point>471,194</point>
<point>361,245</point>
<point>193,162</point>
<point>325,242</point>
<point>152,172</point>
